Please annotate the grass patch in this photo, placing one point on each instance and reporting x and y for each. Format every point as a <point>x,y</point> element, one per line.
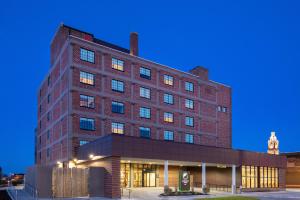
<point>230,198</point>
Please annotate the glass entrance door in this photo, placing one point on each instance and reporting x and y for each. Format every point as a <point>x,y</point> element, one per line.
<point>149,179</point>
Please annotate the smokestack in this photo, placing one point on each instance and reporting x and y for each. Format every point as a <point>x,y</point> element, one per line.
<point>134,44</point>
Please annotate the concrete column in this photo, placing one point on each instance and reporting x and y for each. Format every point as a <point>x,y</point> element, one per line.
<point>166,173</point>
<point>203,175</point>
<point>233,185</point>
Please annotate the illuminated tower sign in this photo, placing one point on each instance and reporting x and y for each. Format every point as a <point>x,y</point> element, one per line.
<point>273,144</point>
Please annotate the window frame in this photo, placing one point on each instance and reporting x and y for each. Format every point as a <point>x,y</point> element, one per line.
<point>166,117</point>
<point>167,134</point>
<point>146,90</point>
<point>142,135</point>
<point>168,94</point>
<point>117,64</point>
<point>143,75</point>
<point>117,81</point>
<point>189,138</point>
<point>167,79</point>
<point>117,103</point>
<point>87,102</point>
<point>87,76</point>
<point>189,119</point>
<point>188,85</point>
<point>93,128</point>
<point>87,55</point>
<point>142,112</point>
<point>117,127</point>
<point>188,102</point>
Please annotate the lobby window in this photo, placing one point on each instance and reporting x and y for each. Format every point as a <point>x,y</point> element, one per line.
<point>145,112</point>
<point>168,117</point>
<point>168,80</point>
<point>83,142</point>
<point>168,98</point>
<point>189,121</point>
<point>145,73</point>
<point>145,132</point>
<point>189,138</point>
<point>87,78</point>
<point>189,86</point>
<point>168,135</point>
<point>145,92</point>
<point>117,64</point>
<point>87,124</point>
<point>117,86</point>
<point>117,107</point>
<point>249,177</point>
<point>189,103</point>
<point>268,177</point>
<point>87,101</point>
<point>117,128</point>
<point>87,55</point>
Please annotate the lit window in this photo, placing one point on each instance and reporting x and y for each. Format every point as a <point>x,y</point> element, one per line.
<point>168,98</point>
<point>87,55</point>
<point>87,101</point>
<point>189,103</point>
<point>83,142</point>
<point>145,73</point>
<point>87,124</point>
<point>145,132</point>
<point>189,86</point>
<point>189,138</point>
<point>117,64</point>
<point>145,112</point>
<point>117,86</point>
<point>189,121</point>
<point>168,80</point>
<point>168,117</point>
<point>117,107</point>
<point>145,92</point>
<point>117,128</point>
<point>86,78</point>
<point>168,135</point>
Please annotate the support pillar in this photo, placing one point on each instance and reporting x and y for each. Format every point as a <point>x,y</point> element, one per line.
<point>233,185</point>
<point>203,175</point>
<point>166,174</point>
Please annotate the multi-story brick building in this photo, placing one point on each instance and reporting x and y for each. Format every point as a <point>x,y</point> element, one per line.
<point>97,91</point>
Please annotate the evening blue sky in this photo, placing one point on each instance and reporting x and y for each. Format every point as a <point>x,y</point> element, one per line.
<point>253,46</point>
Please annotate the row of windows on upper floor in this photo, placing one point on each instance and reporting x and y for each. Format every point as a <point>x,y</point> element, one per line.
<point>119,128</point>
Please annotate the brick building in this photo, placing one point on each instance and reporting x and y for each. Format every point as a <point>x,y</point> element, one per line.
<point>102,105</point>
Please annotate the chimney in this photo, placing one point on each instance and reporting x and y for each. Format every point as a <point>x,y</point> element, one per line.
<point>201,72</point>
<point>134,44</point>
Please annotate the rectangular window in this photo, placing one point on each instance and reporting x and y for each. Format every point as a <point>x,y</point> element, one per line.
<point>168,98</point>
<point>83,142</point>
<point>117,107</point>
<point>48,116</point>
<point>87,101</point>
<point>189,138</point>
<point>48,152</point>
<point>145,73</point>
<point>86,78</point>
<point>249,177</point>
<point>87,55</point>
<point>222,109</point>
<point>48,134</point>
<point>168,135</point>
<point>189,86</point>
<point>117,64</point>
<point>145,132</point>
<point>145,112</point>
<point>168,80</point>
<point>87,124</point>
<point>168,117</point>
<point>145,92</point>
<point>49,80</point>
<point>189,121</point>
<point>117,128</point>
<point>117,86</point>
<point>189,103</point>
<point>48,98</point>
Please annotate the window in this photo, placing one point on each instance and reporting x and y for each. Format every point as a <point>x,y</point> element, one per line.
<point>189,121</point>
<point>268,177</point>
<point>117,86</point>
<point>117,128</point>
<point>189,86</point>
<point>168,80</point>
<point>145,112</point>
<point>87,101</point>
<point>87,55</point>
<point>168,98</point>
<point>249,177</point>
<point>40,109</point>
<point>117,107</point>
<point>48,98</point>
<point>48,152</point>
<point>117,64</point>
<point>145,73</point>
<point>189,103</point>
<point>48,134</point>
<point>86,78</point>
<point>145,92</point>
<point>83,142</point>
<point>189,138</point>
<point>87,124</point>
<point>48,116</point>
<point>49,80</point>
<point>168,117</point>
<point>168,135</point>
<point>145,132</point>
<point>222,109</point>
